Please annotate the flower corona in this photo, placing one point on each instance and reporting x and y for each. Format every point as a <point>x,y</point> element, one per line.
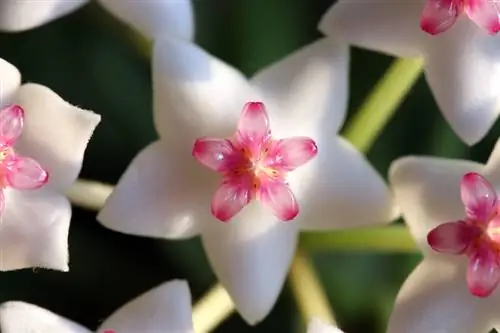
<point>439,15</point>
<point>477,236</point>
<point>254,165</point>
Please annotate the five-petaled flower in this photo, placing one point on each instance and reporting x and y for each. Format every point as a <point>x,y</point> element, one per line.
<point>440,15</point>
<point>40,135</point>
<point>441,294</point>
<point>462,65</point>
<point>150,18</point>
<point>254,165</point>
<point>165,192</point>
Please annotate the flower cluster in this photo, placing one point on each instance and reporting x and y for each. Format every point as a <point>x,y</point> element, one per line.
<point>248,163</point>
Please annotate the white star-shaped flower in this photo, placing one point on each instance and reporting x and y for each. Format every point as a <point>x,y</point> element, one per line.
<point>166,308</point>
<point>166,193</point>
<point>42,143</point>
<point>462,64</point>
<point>452,212</point>
<point>151,18</point>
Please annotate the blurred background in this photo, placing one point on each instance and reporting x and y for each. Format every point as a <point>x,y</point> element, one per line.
<point>92,61</point>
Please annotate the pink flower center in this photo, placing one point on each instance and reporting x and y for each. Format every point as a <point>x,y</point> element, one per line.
<point>439,15</point>
<point>253,165</point>
<point>477,236</point>
<point>16,171</point>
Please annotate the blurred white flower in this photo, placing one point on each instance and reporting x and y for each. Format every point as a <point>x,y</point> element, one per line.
<point>166,193</point>
<point>48,137</point>
<point>462,64</point>
<point>151,18</point>
<point>166,308</point>
<point>443,202</point>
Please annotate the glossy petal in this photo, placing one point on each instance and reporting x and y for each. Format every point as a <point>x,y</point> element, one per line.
<point>483,272</point>
<point>253,127</point>
<point>18,15</point>
<point>25,174</point>
<point>485,13</point>
<point>291,153</point>
<point>10,81</point>
<point>306,89</point>
<point>195,94</point>
<point>155,18</point>
<point>435,298</point>
<point>478,196</point>
<point>334,185</point>
<point>166,308</point>
<point>160,196</point>
<point>251,257</point>
<point>427,191</point>
<point>55,133</point>
<point>317,326</point>
<point>11,124</point>
<point>230,197</point>
<point>462,69</point>
<point>439,15</point>
<point>277,196</point>
<point>34,230</point>
<point>20,317</point>
<point>379,25</point>
<point>216,154</point>
<point>451,237</point>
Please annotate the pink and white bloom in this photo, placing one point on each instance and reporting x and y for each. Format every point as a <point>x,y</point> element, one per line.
<point>166,308</point>
<point>462,64</point>
<point>150,18</point>
<point>165,192</point>
<point>42,143</point>
<point>450,207</point>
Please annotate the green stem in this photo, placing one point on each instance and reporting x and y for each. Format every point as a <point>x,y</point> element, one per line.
<point>382,103</point>
<point>374,239</point>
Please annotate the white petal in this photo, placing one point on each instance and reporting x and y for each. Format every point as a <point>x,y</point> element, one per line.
<point>427,191</point>
<point>155,18</point>
<point>317,326</point>
<point>34,230</point>
<point>20,317</point>
<point>16,15</point>
<point>10,80</point>
<point>339,189</point>
<point>250,256</point>
<point>390,27</point>
<point>195,94</point>
<point>435,299</point>
<point>492,168</point>
<point>463,71</point>
<point>307,88</point>
<point>160,195</point>
<point>166,308</point>
<point>55,133</point>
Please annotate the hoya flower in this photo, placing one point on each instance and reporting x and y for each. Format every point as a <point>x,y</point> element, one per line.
<point>42,143</point>
<point>151,18</point>
<point>166,192</point>
<point>166,308</point>
<point>462,64</point>
<point>451,208</point>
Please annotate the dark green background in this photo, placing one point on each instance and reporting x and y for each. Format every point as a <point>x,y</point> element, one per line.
<point>89,60</point>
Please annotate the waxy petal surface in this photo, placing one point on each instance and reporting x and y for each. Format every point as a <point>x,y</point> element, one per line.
<point>166,308</point>
<point>159,195</point>
<point>20,317</point>
<point>9,82</point>
<point>483,272</point>
<point>427,190</point>
<point>291,153</point>
<point>485,13</point>
<point>479,197</point>
<point>230,197</point>
<point>277,196</point>
<point>155,18</point>
<point>11,124</point>
<point>216,154</point>
<point>18,15</point>
<point>25,174</point>
<point>451,237</point>
<point>435,298</point>
<point>55,134</point>
<point>439,15</point>
<point>253,127</point>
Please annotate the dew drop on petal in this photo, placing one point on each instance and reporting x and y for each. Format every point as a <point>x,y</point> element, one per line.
<point>11,123</point>
<point>25,173</point>
<point>478,196</point>
<point>483,272</point>
<point>278,196</point>
<point>216,154</point>
<point>452,237</point>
